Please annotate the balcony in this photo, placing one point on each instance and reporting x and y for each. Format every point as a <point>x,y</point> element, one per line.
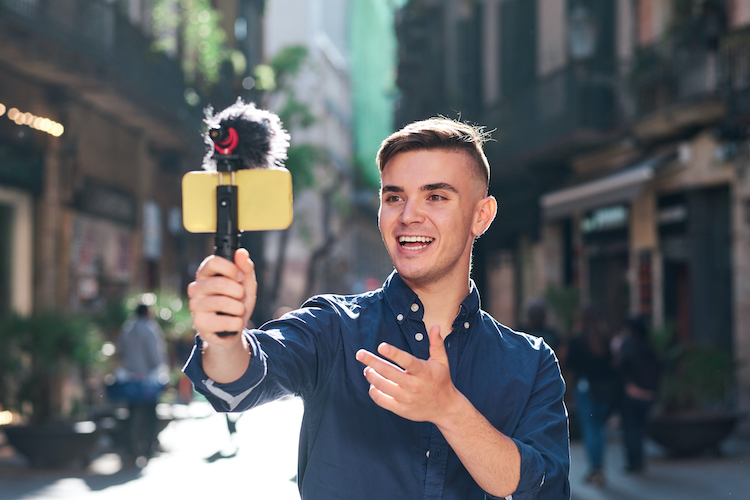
<point>566,112</point>
<point>678,87</point>
<point>88,47</point>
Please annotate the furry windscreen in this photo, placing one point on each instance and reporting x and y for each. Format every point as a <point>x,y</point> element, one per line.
<point>262,139</point>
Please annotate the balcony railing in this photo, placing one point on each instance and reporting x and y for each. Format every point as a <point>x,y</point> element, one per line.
<point>95,31</point>
<point>560,113</point>
<point>667,74</point>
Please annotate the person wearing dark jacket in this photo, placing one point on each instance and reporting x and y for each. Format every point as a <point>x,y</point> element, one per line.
<point>411,391</point>
<point>639,373</point>
<point>589,362</point>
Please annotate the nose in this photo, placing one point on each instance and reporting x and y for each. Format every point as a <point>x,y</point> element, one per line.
<point>411,213</point>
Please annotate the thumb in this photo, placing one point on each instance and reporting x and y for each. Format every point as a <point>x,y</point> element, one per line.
<point>243,262</point>
<point>246,276</point>
<point>437,346</point>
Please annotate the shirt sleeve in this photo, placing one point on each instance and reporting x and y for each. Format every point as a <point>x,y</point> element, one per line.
<point>542,437</point>
<point>288,356</point>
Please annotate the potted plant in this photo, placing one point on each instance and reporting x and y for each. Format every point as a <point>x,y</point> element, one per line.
<point>694,411</point>
<point>43,353</point>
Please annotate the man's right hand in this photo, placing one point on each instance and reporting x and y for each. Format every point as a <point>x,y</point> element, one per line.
<point>221,286</point>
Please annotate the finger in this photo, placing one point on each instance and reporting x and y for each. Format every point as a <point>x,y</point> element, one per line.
<point>437,346</point>
<point>247,271</point>
<point>216,285</point>
<point>216,304</point>
<point>249,281</point>
<point>403,359</point>
<point>383,400</point>
<point>382,366</point>
<point>214,265</point>
<point>208,323</point>
<point>383,384</point>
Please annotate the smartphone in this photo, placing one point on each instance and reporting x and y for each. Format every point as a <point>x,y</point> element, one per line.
<point>264,199</point>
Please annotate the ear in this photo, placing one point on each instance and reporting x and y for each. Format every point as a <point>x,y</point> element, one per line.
<point>484,213</point>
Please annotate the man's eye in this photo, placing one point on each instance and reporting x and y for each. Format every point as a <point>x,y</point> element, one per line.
<point>392,198</point>
<point>436,197</point>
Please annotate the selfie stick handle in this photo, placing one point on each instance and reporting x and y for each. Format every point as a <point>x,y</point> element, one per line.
<point>227,238</point>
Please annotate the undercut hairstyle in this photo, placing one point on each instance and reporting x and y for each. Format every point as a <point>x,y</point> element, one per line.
<point>442,134</point>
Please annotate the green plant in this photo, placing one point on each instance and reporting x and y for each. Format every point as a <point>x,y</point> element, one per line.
<point>42,350</point>
<point>695,378</point>
<point>564,302</point>
<point>192,29</point>
<point>168,308</point>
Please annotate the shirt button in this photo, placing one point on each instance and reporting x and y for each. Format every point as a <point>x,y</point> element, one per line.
<point>419,337</point>
<point>466,325</point>
<point>415,307</point>
<point>428,453</point>
<point>400,317</point>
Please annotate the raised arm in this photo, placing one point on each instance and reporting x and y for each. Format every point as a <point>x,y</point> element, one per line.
<point>221,286</point>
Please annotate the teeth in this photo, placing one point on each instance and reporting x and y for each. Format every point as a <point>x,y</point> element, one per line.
<point>414,239</point>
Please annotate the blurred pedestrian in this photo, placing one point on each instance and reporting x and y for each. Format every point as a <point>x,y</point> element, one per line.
<point>591,372</point>
<point>142,375</point>
<point>639,374</point>
<point>536,317</point>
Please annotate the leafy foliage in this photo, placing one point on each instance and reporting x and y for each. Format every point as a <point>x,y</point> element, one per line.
<point>191,28</point>
<point>40,348</point>
<point>564,302</point>
<point>695,378</point>
<point>277,79</point>
<point>168,308</point>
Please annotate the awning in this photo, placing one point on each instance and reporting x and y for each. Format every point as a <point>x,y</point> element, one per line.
<point>620,187</point>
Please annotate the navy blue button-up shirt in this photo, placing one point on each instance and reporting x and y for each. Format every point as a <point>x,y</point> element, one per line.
<point>352,448</point>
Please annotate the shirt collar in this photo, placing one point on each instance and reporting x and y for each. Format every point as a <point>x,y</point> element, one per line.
<point>404,302</point>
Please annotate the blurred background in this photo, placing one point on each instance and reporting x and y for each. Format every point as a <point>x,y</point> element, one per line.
<point>619,159</point>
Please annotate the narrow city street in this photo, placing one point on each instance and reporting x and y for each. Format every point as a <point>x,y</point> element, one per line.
<point>200,462</point>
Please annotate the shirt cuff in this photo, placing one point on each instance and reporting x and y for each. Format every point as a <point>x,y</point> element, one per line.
<point>533,473</point>
<point>227,397</point>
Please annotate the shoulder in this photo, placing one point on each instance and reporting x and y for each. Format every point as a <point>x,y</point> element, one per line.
<point>513,339</point>
<point>349,305</point>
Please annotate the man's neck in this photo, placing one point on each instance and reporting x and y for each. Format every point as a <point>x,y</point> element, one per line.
<point>441,301</point>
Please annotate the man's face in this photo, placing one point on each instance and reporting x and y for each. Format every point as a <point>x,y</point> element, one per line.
<point>429,205</point>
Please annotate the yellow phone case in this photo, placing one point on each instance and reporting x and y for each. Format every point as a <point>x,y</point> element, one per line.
<point>264,199</point>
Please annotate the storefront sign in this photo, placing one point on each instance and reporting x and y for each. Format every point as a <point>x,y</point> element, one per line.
<point>606,219</point>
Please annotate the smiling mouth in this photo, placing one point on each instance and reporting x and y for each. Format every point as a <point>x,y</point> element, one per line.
<point>415,242</point>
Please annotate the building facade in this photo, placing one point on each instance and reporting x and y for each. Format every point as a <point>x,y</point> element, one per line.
<point>620,154</point>
<point>96,130</point>
<point>334,244</point>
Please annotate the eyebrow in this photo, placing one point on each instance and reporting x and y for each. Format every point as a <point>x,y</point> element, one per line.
<point>426,187</point>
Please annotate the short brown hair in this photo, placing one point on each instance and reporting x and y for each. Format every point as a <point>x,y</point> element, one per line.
<point>438,133</point>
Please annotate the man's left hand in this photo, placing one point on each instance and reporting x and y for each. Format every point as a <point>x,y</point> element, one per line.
<point>416,389</point>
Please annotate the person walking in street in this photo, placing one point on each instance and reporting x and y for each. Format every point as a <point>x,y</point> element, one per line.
<point>589,362</point>
<point>536,325</point>
<point>143,372</point>
<point>410,391</point>
<point>638,366</point>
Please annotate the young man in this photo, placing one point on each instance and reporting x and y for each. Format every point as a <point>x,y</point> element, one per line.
<point>450,404</point>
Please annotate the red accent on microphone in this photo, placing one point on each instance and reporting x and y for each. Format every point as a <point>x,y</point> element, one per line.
<point>226,147</point>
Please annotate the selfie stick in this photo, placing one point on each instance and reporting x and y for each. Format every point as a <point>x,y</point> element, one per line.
<point>240,138</point>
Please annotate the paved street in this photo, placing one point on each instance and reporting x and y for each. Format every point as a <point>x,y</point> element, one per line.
<point>265,463</point>
<point>264,466</point>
